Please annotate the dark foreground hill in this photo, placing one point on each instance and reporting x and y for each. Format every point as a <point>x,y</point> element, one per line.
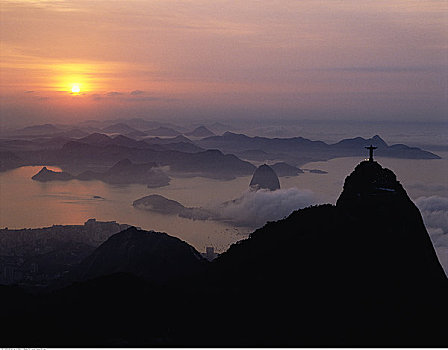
<point>362,273</point>
<point>152,256</point>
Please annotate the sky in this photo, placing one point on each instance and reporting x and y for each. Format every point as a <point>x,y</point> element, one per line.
<point>203,59</point>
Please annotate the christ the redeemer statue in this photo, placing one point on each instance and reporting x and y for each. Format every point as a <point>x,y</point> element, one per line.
<point>371,148</point>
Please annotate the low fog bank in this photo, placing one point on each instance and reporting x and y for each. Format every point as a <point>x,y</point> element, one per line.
<point>434,210</point>
<point>255,208</point>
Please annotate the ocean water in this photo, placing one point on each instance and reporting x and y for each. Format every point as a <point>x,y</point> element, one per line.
<point>25,203</point>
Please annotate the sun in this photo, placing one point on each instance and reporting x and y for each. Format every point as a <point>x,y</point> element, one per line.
<point>75,88</point>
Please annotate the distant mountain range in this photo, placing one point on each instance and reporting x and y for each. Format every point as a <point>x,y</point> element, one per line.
<point>119,128</point>
<point>210,163</point>
<point>38,130</point>
<point>162,131</point>
<point>99,151</point>
<point>200,131</point>
<point>222,157</point>
<point>298,150</point>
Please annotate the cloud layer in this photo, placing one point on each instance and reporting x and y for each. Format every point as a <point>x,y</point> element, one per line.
<point>254,209</point>
<point>434,210</point>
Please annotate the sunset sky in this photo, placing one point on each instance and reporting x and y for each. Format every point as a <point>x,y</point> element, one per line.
<point>216,59</point>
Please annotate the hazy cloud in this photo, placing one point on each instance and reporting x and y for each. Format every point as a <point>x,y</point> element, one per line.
<point>432,203</point>
<point>114,93</point>
<point>133,96</point>
<point>388,69</point>
<point>254,209</point>
<point>434,210</point>
<point>429,188</point>
<point>96,97</point>
<point>151,99</point>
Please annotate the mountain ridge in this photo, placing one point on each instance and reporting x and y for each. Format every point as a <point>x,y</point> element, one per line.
<point>293,149</point>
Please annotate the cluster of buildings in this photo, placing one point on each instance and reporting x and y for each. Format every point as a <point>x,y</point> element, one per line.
<point>39,255</point>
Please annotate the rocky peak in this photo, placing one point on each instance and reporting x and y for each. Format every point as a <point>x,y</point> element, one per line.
<point>378,141</point>
<point>370,186</point>
<point>49,175</point>
<point>264,178</point>
<point>43,172</point>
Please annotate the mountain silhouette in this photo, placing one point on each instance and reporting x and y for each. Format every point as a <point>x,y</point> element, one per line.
<point>178,143</point>
<point>119,128</point>
<point>153,256</point>
<point>127,172</point>
<point>285,169</point>
<point>162,131</point>
<point>361,273</point>
<point>33,130</point>
<point>200,131</point>
<point>351,147</point>
<point>126,141</point>
<point>122,172</point>
<point>96,139</point>
<point>45,175</point>
<point>299,150</point>
<point>264,178</point>
<point>168,140</point>
<point>102,151</point>
<point>159,204</point>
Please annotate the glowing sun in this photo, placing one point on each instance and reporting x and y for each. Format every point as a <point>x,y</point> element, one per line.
<point>76,89</point>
